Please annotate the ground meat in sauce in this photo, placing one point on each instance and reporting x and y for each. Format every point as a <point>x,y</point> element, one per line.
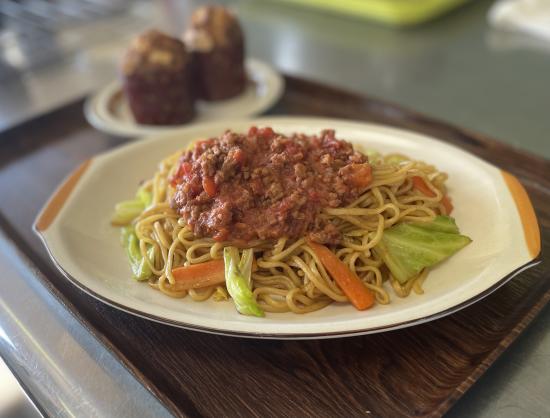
<point>265,185</point>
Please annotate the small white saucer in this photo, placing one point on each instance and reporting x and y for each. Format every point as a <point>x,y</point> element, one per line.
<point>108,110</point>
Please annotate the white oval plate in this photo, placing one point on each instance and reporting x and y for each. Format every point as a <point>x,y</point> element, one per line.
<point>490,206</point>
<point>108,110</point>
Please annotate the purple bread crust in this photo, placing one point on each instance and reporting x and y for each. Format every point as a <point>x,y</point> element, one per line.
<point>160,99</point>
<point>219,59</point>
<point>221,73</point>
<point>156,74</point>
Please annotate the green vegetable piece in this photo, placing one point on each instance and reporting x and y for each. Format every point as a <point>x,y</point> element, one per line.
<point>441,223</point>
<point>139,266</point>
<point>408,248</point>
<point>396,159</point>
<point>372,155</point>
<point>127,211</point>
<point>245,266</point>
<point>237,281</point>
<point>125,233</point>
<point>144,196</point>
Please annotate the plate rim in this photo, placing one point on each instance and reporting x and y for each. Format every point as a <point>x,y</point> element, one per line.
<point>289,120</point>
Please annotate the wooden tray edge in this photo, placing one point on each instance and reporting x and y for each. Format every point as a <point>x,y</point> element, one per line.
<point>493,355</point>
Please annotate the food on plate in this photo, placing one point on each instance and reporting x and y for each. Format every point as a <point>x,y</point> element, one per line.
<point>162,76</point>
<point>217,42</point>
<point>156,73</point>
<point>280,223</point>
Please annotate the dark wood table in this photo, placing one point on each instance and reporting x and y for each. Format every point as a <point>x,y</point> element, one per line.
<point>419,371</point>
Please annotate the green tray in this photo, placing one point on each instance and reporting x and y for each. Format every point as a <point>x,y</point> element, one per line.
<point>392,12</point>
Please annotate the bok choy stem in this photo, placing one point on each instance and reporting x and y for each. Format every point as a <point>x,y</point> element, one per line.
<point>238,280</point>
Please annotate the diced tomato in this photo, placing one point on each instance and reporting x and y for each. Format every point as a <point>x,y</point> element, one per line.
<point>221,235</point>
<point>253,131</point>
<point>209,186</point>
<point>183,170</point>
<point>266,132</point>
<point>238,156</point>
<point>361,175</point>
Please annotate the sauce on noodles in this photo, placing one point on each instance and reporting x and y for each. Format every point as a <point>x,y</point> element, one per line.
<point>264,185</point>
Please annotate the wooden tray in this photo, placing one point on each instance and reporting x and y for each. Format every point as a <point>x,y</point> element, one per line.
<point>420,371</point>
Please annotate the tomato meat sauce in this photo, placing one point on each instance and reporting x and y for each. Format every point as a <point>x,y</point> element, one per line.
<point>265,185</point>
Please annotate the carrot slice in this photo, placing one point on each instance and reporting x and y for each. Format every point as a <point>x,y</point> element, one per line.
<point>420,185</point>
<point>359,295</point>
<point>447,204</point>
<point>199,275</point>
